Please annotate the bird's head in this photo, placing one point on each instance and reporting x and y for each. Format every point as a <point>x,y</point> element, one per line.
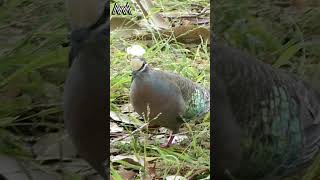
<point>138,64</point>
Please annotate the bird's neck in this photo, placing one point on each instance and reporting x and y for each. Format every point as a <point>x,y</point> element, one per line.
<point>144,69</point>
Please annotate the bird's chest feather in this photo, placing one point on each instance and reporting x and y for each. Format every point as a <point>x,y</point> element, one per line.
<point>163,96</point>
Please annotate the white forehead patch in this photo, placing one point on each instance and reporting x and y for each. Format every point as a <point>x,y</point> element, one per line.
<point>136,50</point>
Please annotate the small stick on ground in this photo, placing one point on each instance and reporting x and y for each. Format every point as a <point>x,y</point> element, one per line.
<point>133,132</point>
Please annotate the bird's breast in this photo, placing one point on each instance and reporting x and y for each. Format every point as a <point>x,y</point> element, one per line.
<point>162,96</point>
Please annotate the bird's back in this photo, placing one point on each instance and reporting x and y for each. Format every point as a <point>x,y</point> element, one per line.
<point>278,114</point>
<point>196,97</point>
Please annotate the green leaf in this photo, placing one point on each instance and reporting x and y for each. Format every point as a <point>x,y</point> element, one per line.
<point>287,55</point>
<point>54,57</point>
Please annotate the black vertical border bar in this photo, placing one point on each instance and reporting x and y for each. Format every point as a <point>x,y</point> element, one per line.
<point>212,83</point>
<point>107,163</point>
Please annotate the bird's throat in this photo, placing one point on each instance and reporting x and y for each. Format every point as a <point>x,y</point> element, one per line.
<point>143,67</point>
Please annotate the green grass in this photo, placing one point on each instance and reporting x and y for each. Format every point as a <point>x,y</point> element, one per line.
<point>283,37</point>
<point>33,65</point>
<point>171,56</point>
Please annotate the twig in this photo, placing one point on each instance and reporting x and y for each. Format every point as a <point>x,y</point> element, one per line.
<point>197,172</point>
<point>133,132</point>
<point>203,12</point>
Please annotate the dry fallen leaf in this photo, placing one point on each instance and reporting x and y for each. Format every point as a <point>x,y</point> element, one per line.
<point>128,175</point>
<point>121,118</point>
<point>127,108</point>
<point>152,170</point>
<point>128,158</point>
<point>14,169</point>
<point>190,33</point>
<point>48,147</point>
<point>179,138</point>
<point>114,128</point>
<point>117,22</point>
<point>146,6</point>
<point>132,159</point>
<point>175,178</point>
